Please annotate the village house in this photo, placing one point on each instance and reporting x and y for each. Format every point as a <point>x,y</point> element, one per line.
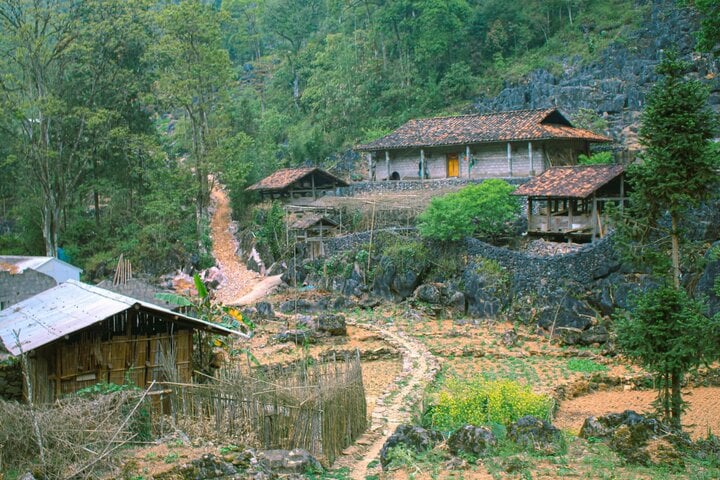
<point>571,202</point>
<point>521,143</point>
<point>292,183</point>
<point>22,277</point>
<point>76,335</point>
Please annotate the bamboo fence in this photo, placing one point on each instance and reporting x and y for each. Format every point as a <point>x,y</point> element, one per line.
<point>316,405</point>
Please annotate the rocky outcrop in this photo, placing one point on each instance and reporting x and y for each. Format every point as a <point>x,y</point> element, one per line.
<point>414,438</point>
<point>637,438</point>
<point>537,435</point>
<point>616,84</point>
<point>471,440</point>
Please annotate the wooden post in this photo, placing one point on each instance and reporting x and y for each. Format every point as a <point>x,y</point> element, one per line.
<point>422,164</point>
<point>530,212</point>
<point>369,160</point>
<point>573,202</point>
<point>467,157</point>
<point>530,156</point>
<point>622,191</point>
<point>387,163</point>
<point>593,215</point>
<point>509,158</point>
<point>312,180</point>
<point>548,202</point>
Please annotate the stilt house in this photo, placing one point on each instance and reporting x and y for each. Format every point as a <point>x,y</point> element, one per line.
<point>571,202</point>
<point>76,335</point>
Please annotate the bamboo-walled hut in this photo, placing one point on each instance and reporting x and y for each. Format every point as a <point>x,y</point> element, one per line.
<point>312,229</point>
<point>571,202</point>
<point>76,335</point>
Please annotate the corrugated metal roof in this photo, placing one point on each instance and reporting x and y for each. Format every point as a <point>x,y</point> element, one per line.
<point>70,307</point>
<point>471,129</point>
<point>570,182</point>
<point>22,263</point>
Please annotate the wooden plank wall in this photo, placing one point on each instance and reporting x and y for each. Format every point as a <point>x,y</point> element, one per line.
<point>65,368</point>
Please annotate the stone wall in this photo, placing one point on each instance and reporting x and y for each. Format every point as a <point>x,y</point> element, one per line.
<point>16,288</point>
<point>336,245</point>
<point>11,383</point>
<point>403,186</point>
<point>530,273</point>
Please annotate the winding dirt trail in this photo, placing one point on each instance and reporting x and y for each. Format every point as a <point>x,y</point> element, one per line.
<point>394,407</point>
<point>241,286</point>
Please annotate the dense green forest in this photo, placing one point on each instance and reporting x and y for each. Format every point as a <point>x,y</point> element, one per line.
<point>112,114</point>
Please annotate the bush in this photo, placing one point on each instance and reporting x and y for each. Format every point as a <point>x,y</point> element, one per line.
<point>600,158</point>
<point>482,402</point>
<point>486,210</point>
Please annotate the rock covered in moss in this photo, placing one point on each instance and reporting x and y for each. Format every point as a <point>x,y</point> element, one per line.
<point>415,438</point>
<point>535,434</point>
<point>472,440</point>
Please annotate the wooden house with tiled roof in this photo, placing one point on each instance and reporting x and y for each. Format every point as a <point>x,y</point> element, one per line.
<point>297,182</point>
<point>570,202</point>
<point>312,229</point>
<point>517,143</point>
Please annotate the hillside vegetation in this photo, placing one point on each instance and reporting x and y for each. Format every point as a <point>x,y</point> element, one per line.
<point>111,118</point>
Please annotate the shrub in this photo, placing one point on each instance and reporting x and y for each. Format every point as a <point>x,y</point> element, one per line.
<point>480,402</point>
<point>486,210</point>
<point>600,158</point>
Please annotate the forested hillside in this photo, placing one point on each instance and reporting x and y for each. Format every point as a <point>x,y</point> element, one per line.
<point>112,114</point>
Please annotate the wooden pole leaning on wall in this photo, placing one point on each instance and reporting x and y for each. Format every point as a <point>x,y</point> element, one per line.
<point>123,271</point>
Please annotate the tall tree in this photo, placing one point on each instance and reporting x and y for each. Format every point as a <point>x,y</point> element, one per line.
<point>679,167</point>
<point>194,73</point>
<point>666,329</point>
<point>61,63</point>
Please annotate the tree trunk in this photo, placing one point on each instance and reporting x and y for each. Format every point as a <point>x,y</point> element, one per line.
<point>675,239</point>
<point>676,377</point>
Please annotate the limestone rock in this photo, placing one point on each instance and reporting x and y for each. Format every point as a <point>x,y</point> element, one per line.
<point>536,434</point>
<point>472,440</point>
<point>413,437</point>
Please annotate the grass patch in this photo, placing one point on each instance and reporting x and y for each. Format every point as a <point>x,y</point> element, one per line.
<point>585,365</point>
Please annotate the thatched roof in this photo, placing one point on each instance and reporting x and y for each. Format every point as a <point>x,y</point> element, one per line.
<point>570,182</point>
<point>514,125</point>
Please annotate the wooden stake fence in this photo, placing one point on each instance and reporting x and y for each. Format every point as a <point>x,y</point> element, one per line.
<point>315,405</point>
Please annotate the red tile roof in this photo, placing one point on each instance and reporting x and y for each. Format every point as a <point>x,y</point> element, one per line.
<point>570,182</point>
<point>471,129</point>
<point>287,176</point>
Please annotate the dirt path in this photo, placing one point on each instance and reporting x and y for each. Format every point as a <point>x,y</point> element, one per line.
<point>396,405</point>
<point>239,281</point>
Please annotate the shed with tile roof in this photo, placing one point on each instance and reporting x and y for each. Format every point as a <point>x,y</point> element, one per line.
<point>571,202</point>
<point>297,182</point>
<point>518,143</point>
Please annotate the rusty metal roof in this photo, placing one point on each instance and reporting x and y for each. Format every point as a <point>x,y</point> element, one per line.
<point>70,307</point>
<point>285,177</point>
<point>514,125</point>
<point>570,182</point>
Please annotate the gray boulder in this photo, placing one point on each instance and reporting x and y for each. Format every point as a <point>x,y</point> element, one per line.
<point>298,337</point>
<point>285,462</point>
<point>264,310</point>
<point>472,440</point>
<point>428,293</point>
<point>485,293</point>
<point>535,434</point>
<point>332,324</point>
<point>415,438</point>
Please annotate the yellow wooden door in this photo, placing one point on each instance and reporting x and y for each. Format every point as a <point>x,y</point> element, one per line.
<point>453,165</point>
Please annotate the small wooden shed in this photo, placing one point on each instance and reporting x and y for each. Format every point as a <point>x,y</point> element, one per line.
<point>76,335</point>
<point>297,182</point>
<point>312,229</point>
<point>570,202</point>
